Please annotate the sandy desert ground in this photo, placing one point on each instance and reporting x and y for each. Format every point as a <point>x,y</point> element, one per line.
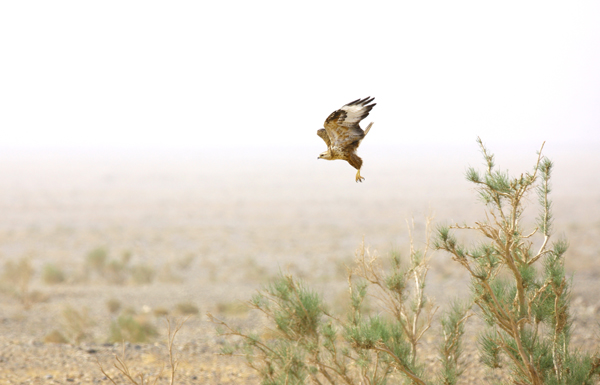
<point>214,225</point>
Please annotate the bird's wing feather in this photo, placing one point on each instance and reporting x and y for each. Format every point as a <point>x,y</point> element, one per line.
<point>357,111</point>
<point>323,134</point>
<point>342,126</point>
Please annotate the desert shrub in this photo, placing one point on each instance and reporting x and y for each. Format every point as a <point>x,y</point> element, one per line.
<point>17,274</point>
<point>167,275</point>
<point>142,274</point>
<point>16,277</point>
<point>76,324</point>
<point>520,290</point>
<point>113,305</point>
<point>141,378</point>
<point>115,272</point>
<point>186,308</point>
<point>231,308</point>
<point>55,337</point>
<point>37,296</point>
<point>126,257</point>
<point>304,342</point>
<point>160,312</point>
<point>96,259</point>
<point>185,262</point>
<point>52,274</point>
<point>132,328</point>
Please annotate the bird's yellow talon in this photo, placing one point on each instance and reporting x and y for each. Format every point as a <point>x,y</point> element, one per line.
<point>358,177</point>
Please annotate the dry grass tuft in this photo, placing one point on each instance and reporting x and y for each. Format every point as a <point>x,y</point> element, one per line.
<point>16,277</point>
<point>232,309</point>
<point>142,274</point>
<point>185,262</point>
<point>113,305</point>
<point>132,328</point>
<point>55,337</point>
<point>77,324</point>
<point>160,312</point>
<point>186,308</point>
<point>140,378</point>
<point>96,259</point>
<point>52,274</point>
<point>167,275</point>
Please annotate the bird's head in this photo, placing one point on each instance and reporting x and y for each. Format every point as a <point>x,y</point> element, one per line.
<point>325,155</point>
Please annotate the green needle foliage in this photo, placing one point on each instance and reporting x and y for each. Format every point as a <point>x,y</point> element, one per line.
<point>306,343</point>
<point>526,307</point>
<point>453,328</point>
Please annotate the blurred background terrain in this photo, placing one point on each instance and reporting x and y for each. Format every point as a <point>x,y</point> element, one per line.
<point>145,235</point>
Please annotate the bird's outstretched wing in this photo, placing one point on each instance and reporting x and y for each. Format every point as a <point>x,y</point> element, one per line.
<point>342,126</point>
<point>323,134</point>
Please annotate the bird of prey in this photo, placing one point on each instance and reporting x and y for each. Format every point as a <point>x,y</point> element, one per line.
<point>343,135</point>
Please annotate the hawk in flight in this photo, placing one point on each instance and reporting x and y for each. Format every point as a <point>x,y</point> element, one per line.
<point>343,135</point>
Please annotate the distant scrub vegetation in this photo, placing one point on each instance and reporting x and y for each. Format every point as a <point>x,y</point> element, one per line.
<point>97,266</point>
<point>126,325</point>
<point>76,325</point>
<point>119,271</point>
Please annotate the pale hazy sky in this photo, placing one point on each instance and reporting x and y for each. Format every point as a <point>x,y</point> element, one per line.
<point>231,73</point>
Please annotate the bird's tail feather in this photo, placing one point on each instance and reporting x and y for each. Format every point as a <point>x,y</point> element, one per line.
<point>368,128</point>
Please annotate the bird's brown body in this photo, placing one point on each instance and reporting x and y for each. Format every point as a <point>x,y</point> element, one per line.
<point>342,133</point>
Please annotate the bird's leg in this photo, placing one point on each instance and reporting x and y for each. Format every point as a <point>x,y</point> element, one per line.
<point>358,177</point>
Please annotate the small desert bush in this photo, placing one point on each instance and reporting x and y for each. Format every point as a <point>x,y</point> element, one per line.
<point>167,275</point>
<point>172,363</point>
<point>17,274</point>
<point>76,324</point>
<point>160,312</point>
<point>55,337</point>
<point>185,262</point>
<point>119,271</point>
<point>142,274</point>
<point>115,272</point>
<point>96,259</point>
<point>232,308</point>
<point>16,277</point>
<point>126,257</point>
<point>52,274</point>
<point>186,308</point>
<point>132,328</point>
<point>113,305</point>
<point>37,296</point>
